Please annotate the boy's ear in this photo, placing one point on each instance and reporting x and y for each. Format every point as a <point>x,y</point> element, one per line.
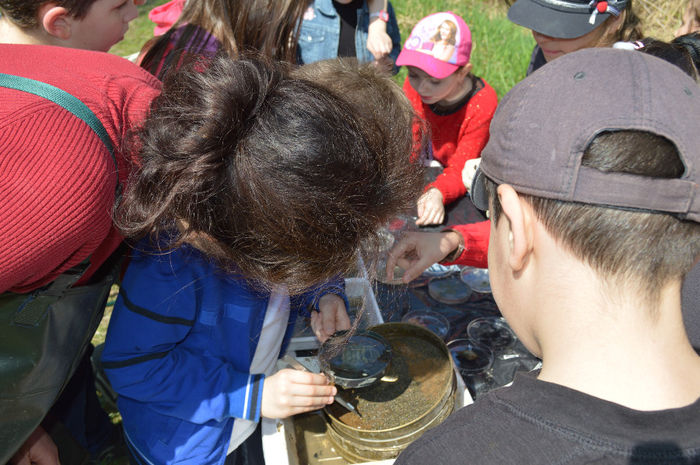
<point>466,69</point>
<point>55,20</point>
<point>520,221</point>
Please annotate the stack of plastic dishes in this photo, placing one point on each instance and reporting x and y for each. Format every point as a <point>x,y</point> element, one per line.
<point>470,358</point>
<point>477,279</point>
<point>449,290</point>
<point>491,332</point>
<point>438,270</point>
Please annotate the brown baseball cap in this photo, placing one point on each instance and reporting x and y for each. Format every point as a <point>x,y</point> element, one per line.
<point>545,123</point>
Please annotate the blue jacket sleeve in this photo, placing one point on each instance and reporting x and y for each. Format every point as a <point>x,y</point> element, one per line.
<point>309,300</point>
<point>156,353</point>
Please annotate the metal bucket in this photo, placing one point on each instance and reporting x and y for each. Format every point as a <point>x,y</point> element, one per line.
<point>394,415</point>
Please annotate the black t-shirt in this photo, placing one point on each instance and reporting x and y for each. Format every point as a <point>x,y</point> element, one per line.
<point>536,422</point>
<point>348,25</point>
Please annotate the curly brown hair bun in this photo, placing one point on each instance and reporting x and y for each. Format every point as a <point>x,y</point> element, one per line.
<point>278,178</point>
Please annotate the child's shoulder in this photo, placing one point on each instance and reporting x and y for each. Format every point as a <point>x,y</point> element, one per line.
<point>486,93</point>
<point>175,264</point>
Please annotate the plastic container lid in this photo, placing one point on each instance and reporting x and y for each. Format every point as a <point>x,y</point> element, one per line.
<point>360,361</point>
<point>470,357</point>
<point>449,290</point>
<point>433,321</point>
<point>381,273</point>
<point>477,279</point>
<point>437,269</point>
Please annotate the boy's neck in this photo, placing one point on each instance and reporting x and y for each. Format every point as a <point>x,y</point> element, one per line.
<point>13,34</point>
<point>610,343</point>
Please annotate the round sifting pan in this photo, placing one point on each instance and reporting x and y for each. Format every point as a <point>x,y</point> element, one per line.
<point>417,393</point>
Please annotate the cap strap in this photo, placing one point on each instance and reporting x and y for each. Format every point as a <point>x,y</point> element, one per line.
<point>674,196</point>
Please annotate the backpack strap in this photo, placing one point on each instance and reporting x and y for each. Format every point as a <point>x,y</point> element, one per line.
<point>34,305</point>
<point>67,101</point>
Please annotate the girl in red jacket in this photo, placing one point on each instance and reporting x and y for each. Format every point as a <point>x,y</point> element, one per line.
<point>456,105</point>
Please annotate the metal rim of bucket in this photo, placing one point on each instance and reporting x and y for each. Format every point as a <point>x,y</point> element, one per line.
<point>364,450</point>
<point>423,333</point>
<point>362,444</point>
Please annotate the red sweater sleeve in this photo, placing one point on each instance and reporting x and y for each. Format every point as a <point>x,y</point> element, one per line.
<point>56,176</point>
<point>476,244</point>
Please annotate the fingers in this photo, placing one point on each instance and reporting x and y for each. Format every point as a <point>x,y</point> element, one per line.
<point>328,322</point>
<point>289,392</point>
<point>331,317</point>
<point>431,215</point>
<point>415,270</point>
<point>342,320</point>
<point>317,327</point>
<point>398,255</point>
<point>38,449</point>
<point>430,208</point>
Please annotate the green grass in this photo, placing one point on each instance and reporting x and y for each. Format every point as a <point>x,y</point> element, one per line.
<point>140,31</point>
<point>501,50</point>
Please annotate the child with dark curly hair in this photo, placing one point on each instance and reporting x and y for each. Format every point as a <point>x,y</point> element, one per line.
<point>254,186</point>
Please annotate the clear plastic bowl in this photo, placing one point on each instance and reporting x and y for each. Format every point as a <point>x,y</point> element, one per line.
<point>492,332</point>
<point>434,321</point>
<point>476,278</point>
<point>449,290</point>
<point>470,357</point>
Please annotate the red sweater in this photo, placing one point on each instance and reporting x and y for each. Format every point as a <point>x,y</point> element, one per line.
<point>457,137</point>
<point>476,244</point>
<point>57,179</point>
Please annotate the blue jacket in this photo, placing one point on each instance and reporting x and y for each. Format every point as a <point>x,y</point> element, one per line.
<point>180,342</point>
<point>320,33</point>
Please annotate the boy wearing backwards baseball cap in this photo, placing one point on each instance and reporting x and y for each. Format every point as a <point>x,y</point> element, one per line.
<point>456,105</point>
<point>595,205</point>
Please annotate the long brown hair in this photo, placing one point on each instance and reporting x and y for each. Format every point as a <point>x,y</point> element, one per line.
<point>269,27</point>
<point>276,177</point>
<point>630,28</point>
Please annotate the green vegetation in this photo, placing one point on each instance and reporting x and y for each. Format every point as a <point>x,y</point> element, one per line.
<point>140,31</point>
<point>501,50</point>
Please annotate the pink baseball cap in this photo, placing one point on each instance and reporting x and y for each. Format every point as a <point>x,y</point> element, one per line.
<point>439,44</point>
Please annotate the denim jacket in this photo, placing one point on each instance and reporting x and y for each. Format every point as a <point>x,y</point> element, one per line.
<point>320,33</point>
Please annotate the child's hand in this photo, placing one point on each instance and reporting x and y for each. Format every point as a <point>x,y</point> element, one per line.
<point>430,208</point>
<point>38,449</point>
<point>378,41</point>
<point>416,251</point>
<point>331,317</point>
<point>384,64</point>
<point>469,171</point>
<point>289,392</point>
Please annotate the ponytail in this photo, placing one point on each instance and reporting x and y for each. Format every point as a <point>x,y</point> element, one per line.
<point>276,177</point>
